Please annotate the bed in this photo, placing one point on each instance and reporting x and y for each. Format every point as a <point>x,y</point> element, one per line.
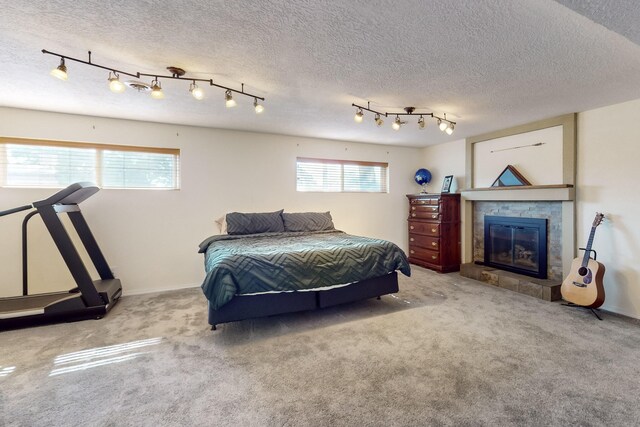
<point>289,267</point>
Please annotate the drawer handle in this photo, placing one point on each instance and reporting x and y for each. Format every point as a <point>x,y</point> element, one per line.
<point>433,243</point>
<point>412,252</point>
<point>433,230</point>
<point>434,256</point>
<point>413,208</point>
<point>413,214</point>
<point>411,227</point>
<point>412,239</point>
<point>434,216</point>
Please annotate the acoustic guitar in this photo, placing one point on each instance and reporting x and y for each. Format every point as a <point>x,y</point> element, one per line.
<point>583,285</point>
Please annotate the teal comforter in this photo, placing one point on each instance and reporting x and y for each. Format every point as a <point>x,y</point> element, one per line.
<point>289,261</point>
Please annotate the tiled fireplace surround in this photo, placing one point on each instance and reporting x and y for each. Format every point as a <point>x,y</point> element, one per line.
<point>554,204</point>
<point>551,211</point>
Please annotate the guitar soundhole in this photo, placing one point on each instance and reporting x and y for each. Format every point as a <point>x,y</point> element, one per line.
<point>583,271</point>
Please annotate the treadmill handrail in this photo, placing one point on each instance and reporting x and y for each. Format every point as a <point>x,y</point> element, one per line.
<point>72,195</point>
<point>15,210</point>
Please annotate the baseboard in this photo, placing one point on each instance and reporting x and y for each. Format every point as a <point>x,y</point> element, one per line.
<point>126,292</point>
<point>619,312</point>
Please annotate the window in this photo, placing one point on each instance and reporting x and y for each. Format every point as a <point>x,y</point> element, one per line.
<point>344,176</point>
<point>56,164</point>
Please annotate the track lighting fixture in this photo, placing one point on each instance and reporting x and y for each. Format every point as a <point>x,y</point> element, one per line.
<point>444,124</point>
<point>156,90</point>
<point>60,71</point>
<point>258,107</point>
<point>116,85</point>
<point>228,100</point>
<point>196,92</point>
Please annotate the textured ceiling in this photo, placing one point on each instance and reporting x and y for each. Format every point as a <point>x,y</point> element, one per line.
<point>488,64</point>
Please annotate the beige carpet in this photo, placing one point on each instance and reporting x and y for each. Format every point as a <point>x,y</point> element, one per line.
<point>444,351</point>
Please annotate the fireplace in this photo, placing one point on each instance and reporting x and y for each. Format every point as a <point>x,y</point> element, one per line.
<point>516,244</point>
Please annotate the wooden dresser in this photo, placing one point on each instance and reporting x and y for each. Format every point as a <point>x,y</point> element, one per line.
<point>434,231</point>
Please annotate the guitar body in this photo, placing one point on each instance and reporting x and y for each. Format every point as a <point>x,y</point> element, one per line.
<point>586,290</point>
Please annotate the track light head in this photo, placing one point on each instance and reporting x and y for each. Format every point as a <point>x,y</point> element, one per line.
<point>379,120</point>
<point>156,90</point>
<point>449,129</point>
<point>60,72</point>
<point>442,125</point>
<point>229,101</point>
<point>396,123</point>
<point>258,107</point>
<point>421,123</point>
<point>196,91</point>
<point>115,85</point>
<point>359,116</point>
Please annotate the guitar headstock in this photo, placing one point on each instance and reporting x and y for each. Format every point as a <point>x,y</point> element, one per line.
<point>598,219</point>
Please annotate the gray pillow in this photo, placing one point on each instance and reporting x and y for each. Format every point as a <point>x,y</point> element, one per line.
<point>307,221</point>
<point>252,223</point>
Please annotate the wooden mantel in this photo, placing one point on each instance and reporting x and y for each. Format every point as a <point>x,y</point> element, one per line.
<point>557,192</point>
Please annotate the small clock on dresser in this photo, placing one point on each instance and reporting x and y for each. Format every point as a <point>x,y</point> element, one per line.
<point>434,231</point>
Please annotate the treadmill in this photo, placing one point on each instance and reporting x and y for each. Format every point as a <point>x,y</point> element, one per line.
<point>90,299</point>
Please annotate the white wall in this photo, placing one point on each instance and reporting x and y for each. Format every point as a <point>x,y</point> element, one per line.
<point>445,159</point>
<point>151,237</point>
<point>540,164</point>
<point>607,180</point>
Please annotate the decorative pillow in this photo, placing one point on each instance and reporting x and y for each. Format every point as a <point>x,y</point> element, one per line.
<point>221,223</point>
<point>308,221</point>
<point>252,223</point>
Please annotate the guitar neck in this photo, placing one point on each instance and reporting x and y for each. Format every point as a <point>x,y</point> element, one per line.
<point>587,252</point>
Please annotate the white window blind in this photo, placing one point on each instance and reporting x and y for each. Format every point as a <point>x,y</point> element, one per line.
<point>345,176</point>
<point>56,164</point>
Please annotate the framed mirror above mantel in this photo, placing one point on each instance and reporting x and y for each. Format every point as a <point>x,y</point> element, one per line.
<point>545,153</point>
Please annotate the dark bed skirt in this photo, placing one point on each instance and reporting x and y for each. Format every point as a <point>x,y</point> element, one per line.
<point>251,306</point>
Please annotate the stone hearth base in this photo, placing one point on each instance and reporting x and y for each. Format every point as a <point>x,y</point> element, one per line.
<point>548,290</point>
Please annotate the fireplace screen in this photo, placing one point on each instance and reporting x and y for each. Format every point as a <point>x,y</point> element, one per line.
<point>516,244</point>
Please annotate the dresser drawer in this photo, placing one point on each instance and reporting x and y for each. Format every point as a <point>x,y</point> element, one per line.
<point>430,201</point>
<point>432,257</point>
<point>428,228</point>
<point>427,242</point>
<point>425,209</point>
<point>421,214</point>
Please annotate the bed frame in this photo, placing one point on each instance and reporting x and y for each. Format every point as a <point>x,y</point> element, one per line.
<point>251,306</point>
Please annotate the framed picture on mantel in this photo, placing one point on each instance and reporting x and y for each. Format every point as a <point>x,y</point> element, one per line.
<point>446,184</point>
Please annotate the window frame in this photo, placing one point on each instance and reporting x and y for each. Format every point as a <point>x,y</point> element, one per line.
<point>343,163</point>
<point>99,148</point>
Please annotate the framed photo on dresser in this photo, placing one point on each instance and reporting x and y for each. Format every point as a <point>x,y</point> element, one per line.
<point>446,184</point>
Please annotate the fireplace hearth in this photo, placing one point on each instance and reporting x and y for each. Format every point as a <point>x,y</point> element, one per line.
<point>516,244</point>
